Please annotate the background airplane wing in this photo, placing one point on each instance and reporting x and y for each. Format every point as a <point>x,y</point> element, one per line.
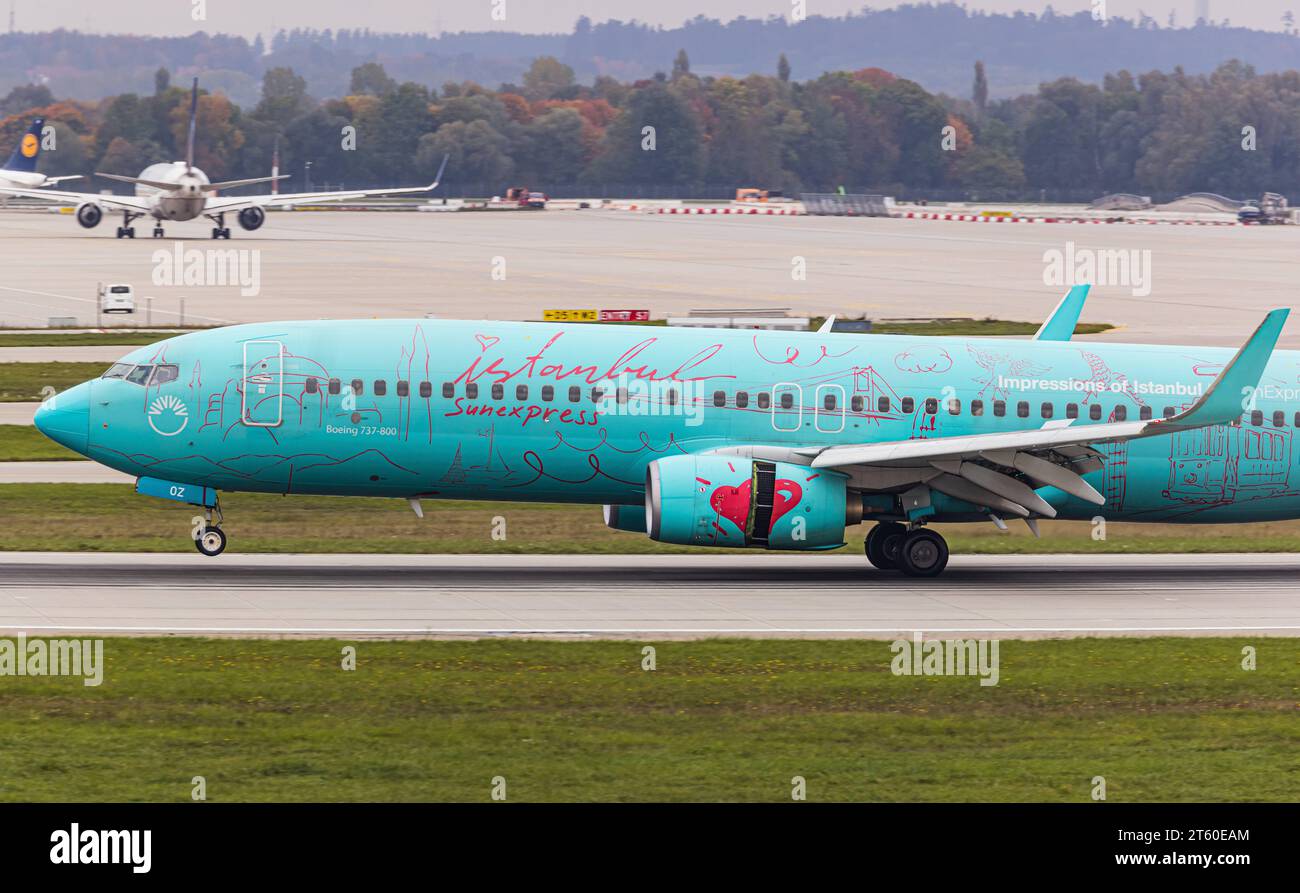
<point>1000,471</point>
<point>235,203</point>
<point>110,202</point>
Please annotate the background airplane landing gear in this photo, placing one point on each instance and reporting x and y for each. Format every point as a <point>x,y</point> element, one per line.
<point>923,553</point>
<point>157,232</point>
<point>882,545</point>
<point>126,232</point>
<point>211,542</point>
<point>221,232</point>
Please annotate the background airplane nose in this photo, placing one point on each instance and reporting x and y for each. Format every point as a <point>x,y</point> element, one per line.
<point>65,417</point>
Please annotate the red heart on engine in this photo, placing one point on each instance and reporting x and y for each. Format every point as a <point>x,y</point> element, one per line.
<point>732,503</point>
<point>787,496</point>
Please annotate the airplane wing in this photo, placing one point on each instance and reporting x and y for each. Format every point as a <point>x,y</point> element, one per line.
<point>999,471</point>
<point>110,202</point>
<point>236,203</point>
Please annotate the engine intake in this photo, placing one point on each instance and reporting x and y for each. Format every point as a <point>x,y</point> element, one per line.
<point>89,214</point>
<point>729,501</point>
<point>252,218</point>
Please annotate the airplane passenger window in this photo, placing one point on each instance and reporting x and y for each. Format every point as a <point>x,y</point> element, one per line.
<point>999,408</point>
<point>977,407</point>
<point>856,403</point>
<point>498,391</point>
<point>828,403</point>
<point>742,399</point>
<point>1121,413</point>
<point>426,389</point>
<point>140,374</point>
<point>908,404</point>
<point>1144,413</point>
<point>164,374</point>
<point>597,394</point>
<point>620,394</point>
<point>882,404</point>
<point>448,389</point>
<point>954,406</point>
<point>379,388</point>
<point>1297,420</point>
<point>787,400</point>
<point>336,386</point>
<point>471,390</point>
<point>575,394</point>
<point>521,392</point>
<point>931,405</point>
<point>719,398</point>
<point>548,393</point>
<point>1047,410</point>
<point>357,386</point>
<point>1072,410</point>
<point>1022,409</point>
<point>1169,412</point>
<point>1094,412</point>
<point>118,370</point>
<point>403,388</point>
<point>1279,418</point>
<point>672,397</point>
<point>764,400</point>
<point>1256,416</point>
<point>312,386</point>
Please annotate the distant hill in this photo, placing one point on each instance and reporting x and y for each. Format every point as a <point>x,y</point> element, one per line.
<point>934,45</point>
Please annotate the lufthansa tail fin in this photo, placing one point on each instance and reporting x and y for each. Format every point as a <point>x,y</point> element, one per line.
<point>28,149</point>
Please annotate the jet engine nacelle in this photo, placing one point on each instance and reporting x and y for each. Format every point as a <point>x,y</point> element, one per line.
<point>252,218</point>
<point>89,214</point>
<point>732,501</point>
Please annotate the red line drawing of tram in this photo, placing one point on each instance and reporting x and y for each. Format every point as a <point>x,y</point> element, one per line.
<point>1221,463</point>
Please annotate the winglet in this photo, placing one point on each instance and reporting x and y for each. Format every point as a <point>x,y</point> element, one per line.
<point>1060,325</point>
<point>828,325</point>
<point>1232,391</point>
<point>438,179</point>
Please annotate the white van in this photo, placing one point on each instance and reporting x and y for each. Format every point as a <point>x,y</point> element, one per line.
<point>116,299</point>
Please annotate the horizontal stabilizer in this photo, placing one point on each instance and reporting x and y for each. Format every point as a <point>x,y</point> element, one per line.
<point>156,184</point>
<point>235,184</point>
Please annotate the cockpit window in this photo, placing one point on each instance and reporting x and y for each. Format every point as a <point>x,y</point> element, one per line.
<point>164,374</point>
<point>140,374</point>
<point>118,370</point>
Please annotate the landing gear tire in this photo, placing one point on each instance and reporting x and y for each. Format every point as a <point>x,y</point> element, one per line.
<point>883,543</point>
<point>923,553</point>
<point>211,542</point>
<point>220,233</point>
<point>157,232</point>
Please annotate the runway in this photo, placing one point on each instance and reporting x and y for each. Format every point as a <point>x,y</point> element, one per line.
<point>513,266</point>
<point>612,596</point>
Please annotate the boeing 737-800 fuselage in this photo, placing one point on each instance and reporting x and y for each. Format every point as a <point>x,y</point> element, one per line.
<point>726,438</point>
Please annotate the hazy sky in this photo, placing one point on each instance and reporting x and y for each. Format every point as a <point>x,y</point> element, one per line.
<point>249,17</point>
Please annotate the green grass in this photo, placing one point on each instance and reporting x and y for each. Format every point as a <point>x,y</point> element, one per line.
<point>111,517</point>
<point>968,327</point>
<point>20,382</point>
<point>23,443</point>
<point>85,339</point>
<point>720,720</point>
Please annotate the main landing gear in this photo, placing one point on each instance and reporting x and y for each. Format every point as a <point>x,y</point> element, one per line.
<point>210,539</point>
<point>917,552</point>
<point>220,231</point>
<point>126,230</point>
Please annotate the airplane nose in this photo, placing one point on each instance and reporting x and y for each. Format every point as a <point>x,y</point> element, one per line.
<point>65,418</point>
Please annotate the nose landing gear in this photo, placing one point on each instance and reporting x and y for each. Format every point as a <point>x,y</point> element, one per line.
<point>210,539</point>
<point>917,552</point>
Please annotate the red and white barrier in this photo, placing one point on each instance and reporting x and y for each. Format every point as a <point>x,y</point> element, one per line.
<point>978,218</point>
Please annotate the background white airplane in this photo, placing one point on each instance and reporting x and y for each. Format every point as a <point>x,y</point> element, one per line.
<point>180,191</point>
<point>20,170</point>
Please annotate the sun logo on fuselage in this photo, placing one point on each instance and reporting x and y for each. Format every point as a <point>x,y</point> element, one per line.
<point>169,412</point>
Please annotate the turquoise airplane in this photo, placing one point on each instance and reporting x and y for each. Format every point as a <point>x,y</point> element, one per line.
<point>706,437</point>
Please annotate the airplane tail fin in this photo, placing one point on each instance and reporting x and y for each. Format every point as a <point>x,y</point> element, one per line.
<point>28,149</point>
<point>194,114</point>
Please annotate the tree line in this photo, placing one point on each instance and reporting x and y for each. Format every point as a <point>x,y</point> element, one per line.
<point>1233,131</point>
